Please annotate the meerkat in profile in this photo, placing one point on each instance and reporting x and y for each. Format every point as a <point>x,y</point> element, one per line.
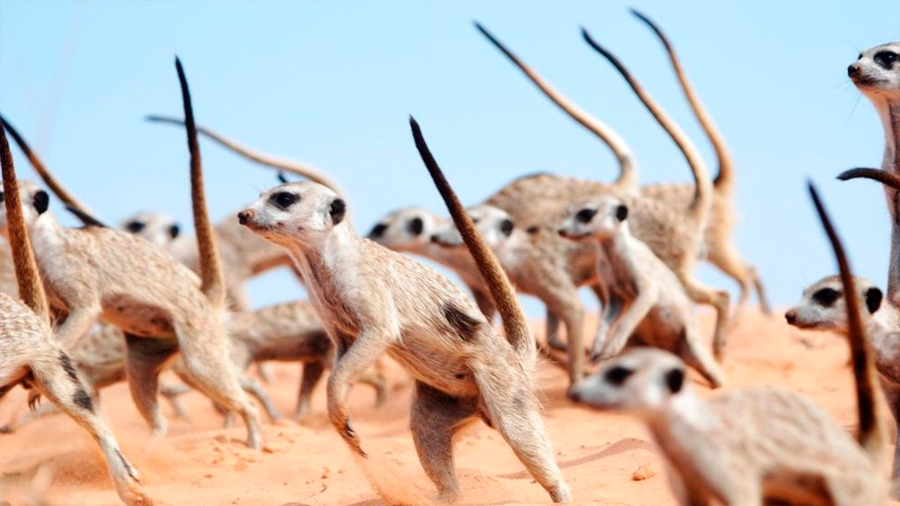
<point>876,73</point>
<point>755,445</point>
<point>101,273</point>
<point>373,300</point>
<point>672,232</point>
<point>649,301</point>
<point>29,353</point>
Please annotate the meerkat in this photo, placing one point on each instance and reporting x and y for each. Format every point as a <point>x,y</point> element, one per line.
<point>876,73</point>
<point>823,308</point>
<point>373,300</point>
<point>650,301</point>
<point>101,273</point>
<point>31,356</point>
<point>755,445</point>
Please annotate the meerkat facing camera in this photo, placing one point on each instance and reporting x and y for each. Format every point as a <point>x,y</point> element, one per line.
<point>754,445</point>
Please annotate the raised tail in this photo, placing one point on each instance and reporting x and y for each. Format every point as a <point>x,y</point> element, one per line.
<point>301,169</point>
<point>871,430</point>
<point>514,322</point>
<point>724,180</point>
<point>882,176</point>
<point>31,290</point>
<point>83,212</point>
<point>628,171</point>
<point>703,193</point>
<point>213,280</point>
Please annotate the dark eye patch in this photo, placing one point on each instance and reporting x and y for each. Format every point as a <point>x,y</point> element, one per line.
<point>284,200</point>
<point>135,226</point>
<point>174,230</point>
<point>378,230</point>
<point>506,226</point>
<point>617,375</point>
<point>826,296</point>
<point>885,59</point>
<point>585,215</point>
<point>1,196</point>
<point>415,226</point>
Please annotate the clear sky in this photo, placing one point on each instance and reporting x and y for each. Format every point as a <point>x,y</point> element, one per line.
<point>332,83</point>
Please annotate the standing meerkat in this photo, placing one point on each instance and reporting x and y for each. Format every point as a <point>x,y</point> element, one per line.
<point>163,308</point>
<point>29,353</point>
<point>753,446</point>
<point>373,301</point>
<point>649,301</point>
<point>673,232</point>
<point>876,73</point>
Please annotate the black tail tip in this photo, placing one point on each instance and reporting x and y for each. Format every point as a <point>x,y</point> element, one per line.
<point>413,123</point>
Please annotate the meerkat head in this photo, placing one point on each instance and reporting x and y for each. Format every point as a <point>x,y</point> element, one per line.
<point>160,229</point>
<point>407,229</point>
<point>597,218</point>
<point>35,202</point>
<point>295,214</point>
<point>495,226</point>
<point>823,306</point>
<point>640,380</point>
<point>877,71</point>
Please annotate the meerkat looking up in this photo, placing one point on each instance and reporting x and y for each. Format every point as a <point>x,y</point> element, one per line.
<point>29,353</point>
<point>755,445</point>
<point>463,368</point>
<point>650,301</point>
<point>163,308</point>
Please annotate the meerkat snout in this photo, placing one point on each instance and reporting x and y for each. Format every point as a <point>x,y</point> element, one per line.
<point>791,316</point>
<point>245,216</point>
<point>853,70</point>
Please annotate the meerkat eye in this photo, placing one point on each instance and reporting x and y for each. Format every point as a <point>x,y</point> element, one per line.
<point>885,59</point>
<point>617,375</point>
<point>284,200</point>
<point>506,226</point>
<point>585,215</point>
<point>1,196</point>
<point>135,226</point>
<point>174,230</point>
<point>826,296</point>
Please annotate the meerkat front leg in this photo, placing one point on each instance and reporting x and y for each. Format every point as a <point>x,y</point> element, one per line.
<point>698,356</point>
<point>434,419</point>
<point>312,372</point>
<point>610,312</point>
<point>145,359</point>
<point>702,294</point>
<point>78,323</point>
<point>634,314</point>
<point>362,354</point>
<point>253,387</point>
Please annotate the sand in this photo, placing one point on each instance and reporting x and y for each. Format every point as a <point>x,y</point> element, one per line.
<point>606,459</point>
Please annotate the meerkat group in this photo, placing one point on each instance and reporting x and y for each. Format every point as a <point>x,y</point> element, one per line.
<point>134,302</point>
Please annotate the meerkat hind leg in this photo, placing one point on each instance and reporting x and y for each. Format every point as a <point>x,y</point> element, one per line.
<point>700,293</point>
<point>312,373</point>
<point>145,360</point>
<point>726,258</point>
<point>434,419</point>
<point>892,395</point>
<point>696,355</point>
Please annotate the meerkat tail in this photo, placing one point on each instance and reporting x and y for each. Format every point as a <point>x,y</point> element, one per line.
<point>514,322</point>
<point>703,193</point>
<point>31,289</point>
<point>628,170</point>
<point>301,169</point>
<point>84,218</point>
<point>210,264</point>
<point>871,433</point>
<point>724,180</point>
<point>58,189</point>
<point>882,176</point>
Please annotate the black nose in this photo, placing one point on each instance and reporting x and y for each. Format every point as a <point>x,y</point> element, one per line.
<point>791,317</point>
<point>853,70</point>
<point>573,395</point>
<point>435,239</point>
<point>244,216</point>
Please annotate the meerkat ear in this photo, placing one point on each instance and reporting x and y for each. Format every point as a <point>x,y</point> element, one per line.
<point>174,230</point>
<point>41,201</point>
<point>873,299</point>
<point>415,226</point>
<point>337,210</point>
<point>675,380</point>
<point>622,212</point>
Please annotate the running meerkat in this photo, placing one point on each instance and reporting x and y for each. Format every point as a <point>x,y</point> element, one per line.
<point>463,368</point>
<point>648,300</point>
<point>672,232</point>
<point>100,273</point>
<point>823,308</point>
<point>31,356</point>
<point>758,445</point>
<point>876,73</point>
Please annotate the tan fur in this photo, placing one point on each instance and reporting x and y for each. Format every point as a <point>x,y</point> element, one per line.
<point>30,355</point>
<point>648,303</point>
<point>97,272</point>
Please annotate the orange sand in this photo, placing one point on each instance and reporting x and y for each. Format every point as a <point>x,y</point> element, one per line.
<point>606,459</point>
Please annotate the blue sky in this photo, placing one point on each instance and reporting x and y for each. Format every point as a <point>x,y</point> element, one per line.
<point>332,83</point>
